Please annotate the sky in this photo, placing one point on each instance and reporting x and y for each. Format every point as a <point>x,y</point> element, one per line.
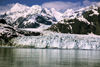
<point>59,5</point>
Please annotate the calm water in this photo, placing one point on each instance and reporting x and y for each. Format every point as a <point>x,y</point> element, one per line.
<point>26,57</point>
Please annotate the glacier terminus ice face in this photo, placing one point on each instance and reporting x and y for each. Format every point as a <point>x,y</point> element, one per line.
<point>59,40</point>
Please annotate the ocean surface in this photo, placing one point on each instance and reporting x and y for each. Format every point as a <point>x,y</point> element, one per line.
<point>29,57</point>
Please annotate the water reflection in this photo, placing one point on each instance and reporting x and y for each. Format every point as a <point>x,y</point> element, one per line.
<point>24,57</point>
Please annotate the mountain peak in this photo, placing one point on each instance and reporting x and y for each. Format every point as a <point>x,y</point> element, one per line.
<point>18,8</point>
<point>17,4</point>
<point>36,7</point>
<point>70,10</point>
<point>53,9</point>
<point>68,13</point>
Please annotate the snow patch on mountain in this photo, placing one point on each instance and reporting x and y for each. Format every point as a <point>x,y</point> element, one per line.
<point>35,9</point>
<point>68,13</point>
<point>71,14</point>
<point>57,14</point>
<point>94,13</point>
<point>83,19</point>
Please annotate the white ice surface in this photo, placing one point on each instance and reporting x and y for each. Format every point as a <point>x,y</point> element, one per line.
<point>58,40</point>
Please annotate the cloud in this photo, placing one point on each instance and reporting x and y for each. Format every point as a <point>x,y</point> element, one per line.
<point>59,5</point>
<point>3,9</point>
<point>62,6</point>
<point>87,3</point>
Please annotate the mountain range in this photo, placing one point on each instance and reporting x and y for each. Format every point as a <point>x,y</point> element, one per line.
<point>83,21</point>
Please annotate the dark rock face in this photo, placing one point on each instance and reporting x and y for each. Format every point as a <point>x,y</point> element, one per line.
<point>78,27</point>
<point>29,25</point>
<point>42,20</point>
<point>94,20</point>
<point>9,31</point>
<point>2,21</point>
<point>29,33</point>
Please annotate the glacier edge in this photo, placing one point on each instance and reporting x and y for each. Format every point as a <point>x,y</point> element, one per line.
<point>59,40</point>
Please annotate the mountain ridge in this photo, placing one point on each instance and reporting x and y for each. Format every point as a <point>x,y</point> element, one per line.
<point>29,16</point>
<point>89,22</point>
<point>38,17</point>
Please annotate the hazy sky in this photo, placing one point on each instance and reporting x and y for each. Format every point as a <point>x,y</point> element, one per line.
<point>59,5</point>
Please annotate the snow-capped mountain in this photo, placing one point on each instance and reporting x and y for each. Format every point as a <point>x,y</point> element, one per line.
<point>83,21</point>
<point>70,13</point>
<point>18,8</point>
<point>22,16</point>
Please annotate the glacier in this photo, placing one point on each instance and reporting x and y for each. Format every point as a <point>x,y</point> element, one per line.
<point>59,40</point>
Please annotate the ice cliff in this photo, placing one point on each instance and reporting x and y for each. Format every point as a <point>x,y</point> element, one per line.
<point>57,40</point>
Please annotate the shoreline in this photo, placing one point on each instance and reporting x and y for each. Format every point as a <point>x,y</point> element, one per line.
<point>14,47</point>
